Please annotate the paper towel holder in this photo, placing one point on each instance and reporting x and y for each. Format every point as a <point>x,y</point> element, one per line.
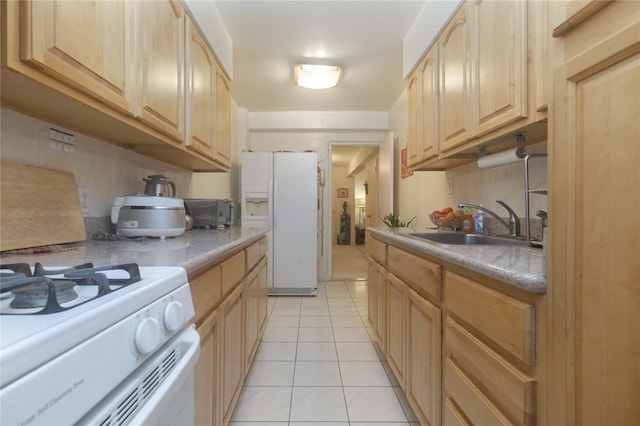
<point>521,151</point>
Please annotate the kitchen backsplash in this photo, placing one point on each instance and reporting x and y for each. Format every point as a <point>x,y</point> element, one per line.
<point>106,170</point>
<point>474,185</point>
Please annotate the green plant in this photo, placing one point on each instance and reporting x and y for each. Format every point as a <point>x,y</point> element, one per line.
<point>393,221</point>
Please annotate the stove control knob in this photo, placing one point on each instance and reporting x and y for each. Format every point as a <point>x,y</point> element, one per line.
<point>147,336</point>
<point>173,316</point>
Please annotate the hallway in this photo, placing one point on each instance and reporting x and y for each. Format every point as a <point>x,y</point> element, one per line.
<point>348,262</point>
<point>316,364</point>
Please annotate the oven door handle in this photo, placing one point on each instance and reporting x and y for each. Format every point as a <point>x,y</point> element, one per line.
<point>154,411</point>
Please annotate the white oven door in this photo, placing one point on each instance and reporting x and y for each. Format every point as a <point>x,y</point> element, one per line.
<point>160,392</point>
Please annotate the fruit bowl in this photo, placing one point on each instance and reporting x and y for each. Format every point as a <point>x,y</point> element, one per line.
<point>450,221</point>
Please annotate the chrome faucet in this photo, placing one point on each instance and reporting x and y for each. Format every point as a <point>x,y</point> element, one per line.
<point>514,222</point>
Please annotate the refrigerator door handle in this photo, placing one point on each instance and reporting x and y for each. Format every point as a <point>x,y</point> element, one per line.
<point>275,197</point>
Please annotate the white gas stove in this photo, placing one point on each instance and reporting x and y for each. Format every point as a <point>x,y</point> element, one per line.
<point>76,353</point>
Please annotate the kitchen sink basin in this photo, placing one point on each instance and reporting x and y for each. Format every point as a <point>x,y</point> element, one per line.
<point>459,238</point>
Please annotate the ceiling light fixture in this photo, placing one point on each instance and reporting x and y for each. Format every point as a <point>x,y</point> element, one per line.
<point>316,76</point>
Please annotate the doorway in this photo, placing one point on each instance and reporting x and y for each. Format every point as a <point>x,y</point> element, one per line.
<point>353,207</point>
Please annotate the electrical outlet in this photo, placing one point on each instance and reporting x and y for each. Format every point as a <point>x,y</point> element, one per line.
<point>450,186</point>
<point>83,194</point>
<point>60,141</point>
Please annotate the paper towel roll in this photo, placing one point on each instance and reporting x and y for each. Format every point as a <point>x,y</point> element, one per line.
<point>499,159</point>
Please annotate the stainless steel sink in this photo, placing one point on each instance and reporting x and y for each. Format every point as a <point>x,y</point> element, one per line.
<point>460,238</point>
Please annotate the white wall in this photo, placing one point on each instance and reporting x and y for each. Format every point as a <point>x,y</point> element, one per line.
<point>421,193</point>
<point>425,29</point>
<point>210,23</point>
<point>210,185</point>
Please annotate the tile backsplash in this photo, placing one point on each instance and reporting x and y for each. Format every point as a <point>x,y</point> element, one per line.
<point>483,187</point>
<point>106,170</point>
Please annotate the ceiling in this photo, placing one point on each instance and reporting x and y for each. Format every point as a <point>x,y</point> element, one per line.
<point>364,37</point>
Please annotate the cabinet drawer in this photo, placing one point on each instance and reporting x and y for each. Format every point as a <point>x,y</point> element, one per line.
<point>452,416</point>
<point>233,271</point>
<point>377,250</point>
<point>253,255</point>
<point>206,291</point>
<point>509,389</point>
<point>505,320</point>
<point>423,276</point>
<point>475,406</point>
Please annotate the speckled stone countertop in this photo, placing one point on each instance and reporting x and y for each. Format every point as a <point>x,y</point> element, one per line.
<point>523,267</point>
<point>191,250</point>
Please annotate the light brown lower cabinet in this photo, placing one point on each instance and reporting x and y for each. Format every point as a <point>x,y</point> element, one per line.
<point>461,345</point>
<point>424,348</point>
<point>377,294</point>
<point>230,323</point>
<point>233,366</point>
<point>255,310</point>
<point>407,327</point>
<point>487,388</point>
<point>207,373</point>
<point>396,327</point>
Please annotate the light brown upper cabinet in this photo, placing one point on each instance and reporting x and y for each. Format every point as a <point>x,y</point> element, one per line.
<point>118,71</point>
<point>455,96</point>
<point>160,29</point>
<point>101,65</point>
<point>413,134</point>
<point>491,82</point>
<point>201,92</point>
<point>223,119</point>
<point>423,110</point>
<point>499,66</point>
<point>428,76</point>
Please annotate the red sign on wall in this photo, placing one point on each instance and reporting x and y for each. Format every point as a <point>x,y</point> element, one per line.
<point>405,170</point>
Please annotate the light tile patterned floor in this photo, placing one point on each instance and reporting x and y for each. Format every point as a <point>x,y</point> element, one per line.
<point>316,366</point>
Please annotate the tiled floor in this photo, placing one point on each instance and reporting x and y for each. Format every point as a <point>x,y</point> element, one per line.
<point>316,366</point>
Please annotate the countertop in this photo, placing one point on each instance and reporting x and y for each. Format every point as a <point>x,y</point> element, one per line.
<point>523,267</point>
<point>192,250</point>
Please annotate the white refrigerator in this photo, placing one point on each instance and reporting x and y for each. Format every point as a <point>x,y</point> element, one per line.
<point>279,191</point>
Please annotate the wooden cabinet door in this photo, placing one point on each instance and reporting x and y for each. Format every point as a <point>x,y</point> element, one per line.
<point>232,351</point>
<point>377,302</point>
<point>396,312</point>
<point>424,366</point>
<point>250,318</point>
<point>414,144</point>
<point>454,94</point>
<point>499,77</point>
<point>201,92</point>
<point>594,289</point>
<point>88,45</point>
<point>160,28</point>
<point>207,373</point>
<point>372,293</point>
<point>223,119</point>
<point>263,295</point>
<point>428,75</point>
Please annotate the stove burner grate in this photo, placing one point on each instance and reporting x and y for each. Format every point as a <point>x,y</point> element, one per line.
<point>49,288</point>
